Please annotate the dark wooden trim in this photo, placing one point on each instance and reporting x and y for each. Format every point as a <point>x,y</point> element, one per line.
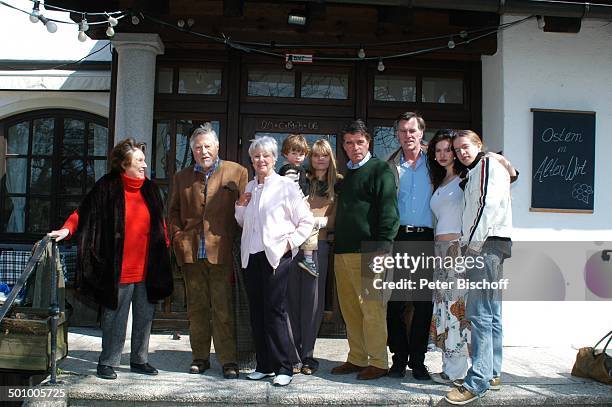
<point>232,144</point>
<point>113,102</point>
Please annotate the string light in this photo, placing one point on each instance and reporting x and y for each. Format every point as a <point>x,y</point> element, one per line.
<point>82,36</point>
<point>51,26</point>
<point>381,66</point>
<point>35,12</point>
<point>112,21</point>
<point>84,26</point>
<point>541,22</point>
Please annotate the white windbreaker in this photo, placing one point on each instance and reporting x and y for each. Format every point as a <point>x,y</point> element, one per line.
<point>488,209</point>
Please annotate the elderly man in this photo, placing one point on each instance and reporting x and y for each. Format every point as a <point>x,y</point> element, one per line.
<point>202,226</point>
<point>367,211</point>
<point>409,165</point>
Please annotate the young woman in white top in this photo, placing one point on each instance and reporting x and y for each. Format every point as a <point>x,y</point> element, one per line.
<point>275,221</point>
<point>450,332</point>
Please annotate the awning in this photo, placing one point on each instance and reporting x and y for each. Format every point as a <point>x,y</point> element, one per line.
<point>56,80</point>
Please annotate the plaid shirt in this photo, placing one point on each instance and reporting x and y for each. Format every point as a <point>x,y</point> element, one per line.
<point>207,174</point>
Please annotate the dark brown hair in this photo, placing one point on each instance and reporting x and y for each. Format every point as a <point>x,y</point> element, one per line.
<point>436,171</point>
<point>356,127</point>
<point>121,155</point>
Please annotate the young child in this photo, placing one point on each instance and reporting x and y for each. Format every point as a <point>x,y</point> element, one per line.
<point>295,149</point>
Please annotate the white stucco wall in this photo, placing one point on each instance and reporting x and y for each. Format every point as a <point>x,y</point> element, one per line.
<point>534,69</point>
<point>15,102</point>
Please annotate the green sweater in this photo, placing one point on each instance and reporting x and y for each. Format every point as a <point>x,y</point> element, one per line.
<point>367,207</point>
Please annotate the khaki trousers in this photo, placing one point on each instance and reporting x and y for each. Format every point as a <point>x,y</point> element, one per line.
<point>209,308</point>
<point>365,318</point>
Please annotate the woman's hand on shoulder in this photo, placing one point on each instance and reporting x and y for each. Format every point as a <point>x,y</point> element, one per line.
<point>59,234</point>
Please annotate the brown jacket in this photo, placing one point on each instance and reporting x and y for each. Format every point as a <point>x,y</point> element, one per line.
<point>189,212</point>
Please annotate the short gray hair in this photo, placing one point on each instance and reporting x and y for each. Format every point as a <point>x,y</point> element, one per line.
<point>265,143</point>
<point>204,129</point>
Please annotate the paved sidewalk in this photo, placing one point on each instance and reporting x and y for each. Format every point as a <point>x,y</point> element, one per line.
<point>531,376</point>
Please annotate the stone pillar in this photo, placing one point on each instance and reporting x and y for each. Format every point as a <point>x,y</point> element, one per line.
<point>136,87</point>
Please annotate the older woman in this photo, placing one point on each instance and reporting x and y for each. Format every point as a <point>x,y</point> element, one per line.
<point>123,255</point>
<point>307,294</point>
<point>487,225</point>
<point>275,221</point>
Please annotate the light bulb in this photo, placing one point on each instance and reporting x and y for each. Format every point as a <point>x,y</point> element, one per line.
<point>51,27</point>
<point>82,36</point>
<point>463,34</point>
<point>289,64</point>
<point>190,22</point>
<point>35,12</point>
<point>381,66</point>
<point>135,20</point>
<point>451,43</point>
<point>109,31</point>
<point>541,22</point>
<point>112,21</point>
<point>180,23</point>
<point>361,53</point>
<point>34,16</point>
<point>84,25</point>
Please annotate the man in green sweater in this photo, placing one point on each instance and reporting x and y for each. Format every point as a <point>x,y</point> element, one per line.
<point>366,211</point>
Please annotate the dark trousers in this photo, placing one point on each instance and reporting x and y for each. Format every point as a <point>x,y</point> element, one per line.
<point>306,300</point>
<point>267,291</point>
<point>412,346</point>
<point>114,325</point>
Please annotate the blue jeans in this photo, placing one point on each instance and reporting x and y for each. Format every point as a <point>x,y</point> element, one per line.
<point>483,310</point>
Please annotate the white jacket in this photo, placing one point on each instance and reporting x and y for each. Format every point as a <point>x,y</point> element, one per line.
<point>284,216</point>
<point>488,210</point>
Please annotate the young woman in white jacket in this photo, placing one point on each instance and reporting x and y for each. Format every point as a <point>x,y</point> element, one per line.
<point>486,228</point>
<point>275,221</point>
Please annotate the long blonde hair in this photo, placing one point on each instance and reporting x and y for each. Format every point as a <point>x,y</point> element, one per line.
<point>322,147</point>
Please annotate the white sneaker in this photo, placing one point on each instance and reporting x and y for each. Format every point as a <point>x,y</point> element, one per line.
<point>258,375</point>
<point>282,380</point>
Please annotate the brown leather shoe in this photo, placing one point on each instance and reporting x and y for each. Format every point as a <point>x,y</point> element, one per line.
<point>346,368</point>
<point>372,372</point>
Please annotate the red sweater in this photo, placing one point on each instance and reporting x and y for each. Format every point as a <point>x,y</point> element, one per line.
<point>137,231</point>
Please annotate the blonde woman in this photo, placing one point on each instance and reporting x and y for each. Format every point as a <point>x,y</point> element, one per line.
<point>306,294</point>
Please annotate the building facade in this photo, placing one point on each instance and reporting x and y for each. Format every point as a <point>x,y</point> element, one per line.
<point>237,64</point>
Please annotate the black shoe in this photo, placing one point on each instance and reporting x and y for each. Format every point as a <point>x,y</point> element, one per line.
<point>420,373</point>
<point>106,372</point>
<point>143,368</point>
<point>230,371</point>
<point>397,370</point>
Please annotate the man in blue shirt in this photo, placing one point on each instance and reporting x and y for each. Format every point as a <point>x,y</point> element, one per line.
<point>409,164</point>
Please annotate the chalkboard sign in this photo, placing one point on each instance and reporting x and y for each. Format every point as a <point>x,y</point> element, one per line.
<point>563,169</point>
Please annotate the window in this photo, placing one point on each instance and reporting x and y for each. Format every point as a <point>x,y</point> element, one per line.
<point>395,88</point>
<point>50,159</point>
<point>317,85</point>
<point>192,80</point>
<point>442,90</point>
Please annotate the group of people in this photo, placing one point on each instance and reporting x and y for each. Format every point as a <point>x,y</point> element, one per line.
<point>449,197</point>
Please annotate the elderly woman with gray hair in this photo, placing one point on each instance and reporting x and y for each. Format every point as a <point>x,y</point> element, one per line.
<point>275,221</point>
